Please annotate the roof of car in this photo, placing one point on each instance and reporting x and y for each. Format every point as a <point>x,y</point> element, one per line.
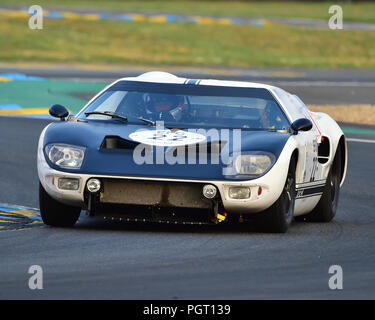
<point>165,77</point>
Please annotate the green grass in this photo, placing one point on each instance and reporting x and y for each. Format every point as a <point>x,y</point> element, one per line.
<point>43,94</point>
<point>364,12</point>
<point>111,42</point>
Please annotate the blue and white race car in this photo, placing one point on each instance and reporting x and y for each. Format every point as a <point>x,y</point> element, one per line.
<point>162,148</point>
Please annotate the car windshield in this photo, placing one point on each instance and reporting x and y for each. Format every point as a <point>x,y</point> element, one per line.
<point>185,106</point>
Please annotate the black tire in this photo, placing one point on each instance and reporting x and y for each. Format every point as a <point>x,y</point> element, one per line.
<point>279,216</point>
<point>55,213</point>
<point>326,208</point>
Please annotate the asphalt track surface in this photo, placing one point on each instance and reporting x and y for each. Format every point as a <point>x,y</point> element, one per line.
<point>314,86</point>
<point>105,259</point>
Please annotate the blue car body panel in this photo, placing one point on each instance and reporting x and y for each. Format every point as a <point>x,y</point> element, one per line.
<point>99,161</point>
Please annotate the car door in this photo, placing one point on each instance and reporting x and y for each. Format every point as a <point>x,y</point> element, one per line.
<point>307,168</point>
<point>312,138</point>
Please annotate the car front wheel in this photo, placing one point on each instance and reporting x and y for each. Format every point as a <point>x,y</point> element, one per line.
<point>326,208</point>
<point>279,216</point>
<point>55,213</point>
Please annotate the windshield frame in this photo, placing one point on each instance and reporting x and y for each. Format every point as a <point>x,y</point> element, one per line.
<point>189,89</point>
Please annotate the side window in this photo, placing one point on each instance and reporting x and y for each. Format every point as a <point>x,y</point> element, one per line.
<point>301,106</point>
<point>307,113</point>
<point>291,103</point>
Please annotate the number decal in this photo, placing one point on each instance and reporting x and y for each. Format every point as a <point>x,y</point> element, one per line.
<point>314,169</point>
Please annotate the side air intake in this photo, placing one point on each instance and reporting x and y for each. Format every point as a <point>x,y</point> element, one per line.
<point>323,150</point>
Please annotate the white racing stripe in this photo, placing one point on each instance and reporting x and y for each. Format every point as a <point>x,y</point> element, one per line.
<point>360,140</point>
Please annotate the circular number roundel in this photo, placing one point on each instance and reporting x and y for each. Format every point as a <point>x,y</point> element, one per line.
<point>167,138</point>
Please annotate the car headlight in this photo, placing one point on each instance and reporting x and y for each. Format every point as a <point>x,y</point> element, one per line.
<point>65,156</point>
<point>254,164</point>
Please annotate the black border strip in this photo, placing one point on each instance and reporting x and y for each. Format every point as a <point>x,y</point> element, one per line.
<point>310,192</point>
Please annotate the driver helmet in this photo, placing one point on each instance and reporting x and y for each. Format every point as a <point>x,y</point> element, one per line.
<point>164,104</point>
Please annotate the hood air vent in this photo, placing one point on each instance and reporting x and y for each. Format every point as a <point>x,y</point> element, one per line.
<point>116,142</point>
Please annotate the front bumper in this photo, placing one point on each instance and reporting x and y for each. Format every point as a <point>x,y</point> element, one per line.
<point>271,186</point>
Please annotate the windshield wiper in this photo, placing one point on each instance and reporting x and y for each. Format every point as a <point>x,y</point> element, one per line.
<point>118,116</point>
<point>107,113</point>
<point>150,122</point>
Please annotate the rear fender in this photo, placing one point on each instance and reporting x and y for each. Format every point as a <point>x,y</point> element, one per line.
<point>337,141</point>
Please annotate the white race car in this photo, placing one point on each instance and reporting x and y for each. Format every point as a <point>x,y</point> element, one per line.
<point>162,148</point>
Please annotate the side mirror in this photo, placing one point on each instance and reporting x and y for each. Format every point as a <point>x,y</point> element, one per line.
<point>301,124</point>
<point>58,111</point>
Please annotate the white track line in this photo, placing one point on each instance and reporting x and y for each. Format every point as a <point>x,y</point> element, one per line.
<point>18,207</point>
<point>360,140</point>
<point>318,83</point>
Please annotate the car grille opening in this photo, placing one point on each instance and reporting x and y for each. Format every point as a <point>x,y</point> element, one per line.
<point>153,193</point>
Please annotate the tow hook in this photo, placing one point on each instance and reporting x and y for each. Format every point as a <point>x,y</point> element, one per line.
<point>218,217</point>
<point>241,219</point>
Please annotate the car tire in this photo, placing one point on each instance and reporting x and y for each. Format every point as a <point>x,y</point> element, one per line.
<point>326,208</point>
<point>279,216</point>
<point>55,213</point>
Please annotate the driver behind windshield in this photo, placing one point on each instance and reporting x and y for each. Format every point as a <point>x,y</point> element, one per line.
<point>164,107</point>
